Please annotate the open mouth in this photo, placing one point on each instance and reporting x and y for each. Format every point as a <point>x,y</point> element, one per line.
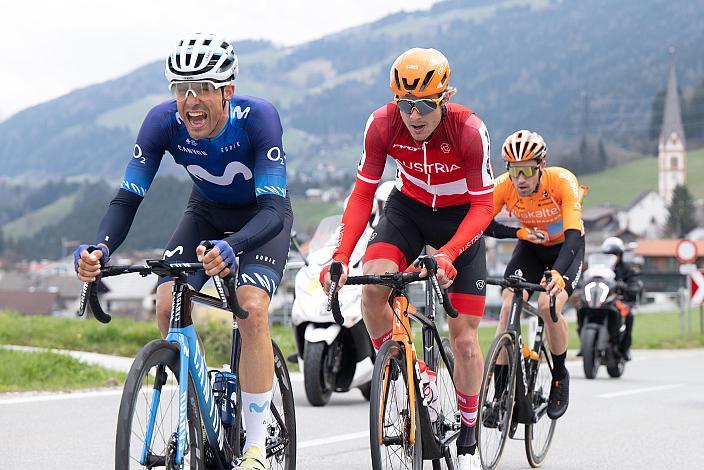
<point>418,128</point>
<point>197,119</point>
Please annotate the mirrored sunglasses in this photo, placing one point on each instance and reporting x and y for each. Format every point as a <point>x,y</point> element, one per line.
<point>424,106</point>
<point>516,171</point>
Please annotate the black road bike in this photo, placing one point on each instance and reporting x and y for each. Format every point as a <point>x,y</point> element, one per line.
<point>518,392</point>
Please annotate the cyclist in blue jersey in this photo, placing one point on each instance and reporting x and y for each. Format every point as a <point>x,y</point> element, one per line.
<point>231,147</point>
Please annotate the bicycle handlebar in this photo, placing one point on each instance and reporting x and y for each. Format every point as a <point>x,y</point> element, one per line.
<point>516,282</point>
<point>89,293</point>
<point>393,280</point>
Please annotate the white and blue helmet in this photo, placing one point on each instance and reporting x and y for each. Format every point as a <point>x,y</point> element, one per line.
<point>200,57</point>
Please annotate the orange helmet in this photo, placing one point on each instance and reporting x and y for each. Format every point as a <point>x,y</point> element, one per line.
<point>420,72</point>
<point>522,146</point>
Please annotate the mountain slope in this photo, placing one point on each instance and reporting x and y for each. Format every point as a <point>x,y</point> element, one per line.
<point>517,63</point>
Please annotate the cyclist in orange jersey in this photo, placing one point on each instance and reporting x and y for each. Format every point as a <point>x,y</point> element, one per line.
<point>547,202</point>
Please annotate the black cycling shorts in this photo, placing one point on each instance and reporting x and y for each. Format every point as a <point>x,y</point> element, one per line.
<point>261,267</point>
<point>530,260</point>
<point>404,229</point>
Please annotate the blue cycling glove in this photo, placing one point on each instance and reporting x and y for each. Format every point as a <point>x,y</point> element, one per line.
<point>226,252</point>
<point>79,250</point>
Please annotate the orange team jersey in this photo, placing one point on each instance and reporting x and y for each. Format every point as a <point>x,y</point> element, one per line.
<point>555,207</point>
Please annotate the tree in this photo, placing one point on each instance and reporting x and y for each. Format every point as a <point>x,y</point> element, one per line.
<point>680,220</point>
<point>601,156</point>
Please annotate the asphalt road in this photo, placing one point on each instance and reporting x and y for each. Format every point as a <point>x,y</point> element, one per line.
<point>651,418</point>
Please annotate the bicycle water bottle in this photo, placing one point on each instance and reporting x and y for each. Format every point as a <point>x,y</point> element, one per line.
<point>429,386</point>
<point>225,388</point>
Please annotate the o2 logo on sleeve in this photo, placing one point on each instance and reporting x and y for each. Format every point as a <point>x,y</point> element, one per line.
<point>275,155</point>
<point>137,153</point>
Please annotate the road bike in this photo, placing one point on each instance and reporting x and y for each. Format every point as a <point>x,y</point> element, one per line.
<point>174,412</point>
<point>407,423</point>
<point>518,392</point>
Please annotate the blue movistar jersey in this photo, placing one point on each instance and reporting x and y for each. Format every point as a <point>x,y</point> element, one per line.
<point>245,160</point>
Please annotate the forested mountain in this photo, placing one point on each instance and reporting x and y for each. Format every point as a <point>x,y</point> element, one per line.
<point>565,68</point>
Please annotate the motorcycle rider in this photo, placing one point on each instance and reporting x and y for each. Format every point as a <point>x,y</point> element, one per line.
<point>630,277</point>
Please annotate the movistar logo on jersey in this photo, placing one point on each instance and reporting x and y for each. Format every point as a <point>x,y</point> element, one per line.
<point>430,167</point>
<point>237,113</point>
<point>228,176</point>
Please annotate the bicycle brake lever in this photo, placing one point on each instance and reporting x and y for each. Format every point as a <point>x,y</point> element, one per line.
<point>553,311</point>
<point>333,300</point>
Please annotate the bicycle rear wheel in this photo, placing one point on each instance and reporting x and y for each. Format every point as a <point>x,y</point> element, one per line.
<point>389,413</point>
<point>281,435</point>
<point>496,402</point>
<point>156,367</point>
<point>538,436</point>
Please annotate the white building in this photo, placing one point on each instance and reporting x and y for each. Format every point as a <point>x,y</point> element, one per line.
<point>671,146</point>
<point>644,216</point>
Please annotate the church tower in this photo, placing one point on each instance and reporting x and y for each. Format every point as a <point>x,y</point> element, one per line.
<point>671,146</point>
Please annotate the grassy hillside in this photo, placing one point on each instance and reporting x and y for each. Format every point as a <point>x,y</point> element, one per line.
<point>307,214</point>
<point>30,224</point>
<point>618,186</point>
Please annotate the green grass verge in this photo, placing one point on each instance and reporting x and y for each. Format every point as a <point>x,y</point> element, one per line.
<point>121,337</point>
<point>21,371</point>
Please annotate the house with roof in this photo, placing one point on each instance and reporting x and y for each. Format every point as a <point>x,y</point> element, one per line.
<point>660,268</point>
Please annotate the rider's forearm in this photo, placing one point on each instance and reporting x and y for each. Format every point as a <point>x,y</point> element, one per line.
<point>116,223</point>
<point>568,251</point>
<point>354,219</point>
<point>480,213</point>
<point>265,225</point>
<point>497,230</point>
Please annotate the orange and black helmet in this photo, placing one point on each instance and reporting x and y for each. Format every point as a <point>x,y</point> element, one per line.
<point>524,145</point>
<point>420,72</point>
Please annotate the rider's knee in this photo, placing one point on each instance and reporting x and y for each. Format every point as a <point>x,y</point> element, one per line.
<point>257,323</point>
<point>466,345</point>
<point>374,297</point>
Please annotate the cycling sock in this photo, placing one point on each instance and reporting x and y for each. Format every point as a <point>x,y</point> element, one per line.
<point>500,379</point>
<point>378,342</point>
<point>468,405</point>
<point>559,370</point>
<point>255,411</point>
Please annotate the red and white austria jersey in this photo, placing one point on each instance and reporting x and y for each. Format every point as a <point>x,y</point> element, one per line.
<point>447,170</point>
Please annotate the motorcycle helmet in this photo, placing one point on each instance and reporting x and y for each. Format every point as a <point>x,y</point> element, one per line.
<point>613,246</point>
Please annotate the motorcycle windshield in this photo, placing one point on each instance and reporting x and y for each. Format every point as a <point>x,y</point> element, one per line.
<point>326,233</point>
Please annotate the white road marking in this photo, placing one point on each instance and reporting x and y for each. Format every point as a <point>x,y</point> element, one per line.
<point>59,396</point>
<point>333,439</point>
<point>639,390</point>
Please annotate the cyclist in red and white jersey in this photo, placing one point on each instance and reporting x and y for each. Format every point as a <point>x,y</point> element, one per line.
<point>442,198</point>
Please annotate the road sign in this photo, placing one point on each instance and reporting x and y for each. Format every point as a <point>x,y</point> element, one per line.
<point>688,268</point>
<point>686,251</point>
<point>696,287</point>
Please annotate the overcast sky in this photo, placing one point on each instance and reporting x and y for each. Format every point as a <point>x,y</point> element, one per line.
<point>51,47</point>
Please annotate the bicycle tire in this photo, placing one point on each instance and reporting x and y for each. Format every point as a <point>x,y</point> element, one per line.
<point>502,407</point>
<point>541,392</point>
<point>286,458</point>
<point>448,416</point>
<point>156,353</point>
<point>390,374</point>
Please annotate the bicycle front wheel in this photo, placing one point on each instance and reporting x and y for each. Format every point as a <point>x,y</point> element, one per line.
<point>538,436</point>
<point>154,373</point>
<point>496,401</point>
<point>389,413</point>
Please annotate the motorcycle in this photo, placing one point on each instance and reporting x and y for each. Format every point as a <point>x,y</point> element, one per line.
<point>333,358</point>
<point>602,310</point>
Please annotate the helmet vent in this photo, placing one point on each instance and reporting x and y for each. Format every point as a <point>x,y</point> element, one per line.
<point>428,76</point>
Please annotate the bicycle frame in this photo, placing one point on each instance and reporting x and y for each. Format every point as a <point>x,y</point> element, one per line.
<point>183,333</point>
<point>403,311</point>
<point>525,378</point>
